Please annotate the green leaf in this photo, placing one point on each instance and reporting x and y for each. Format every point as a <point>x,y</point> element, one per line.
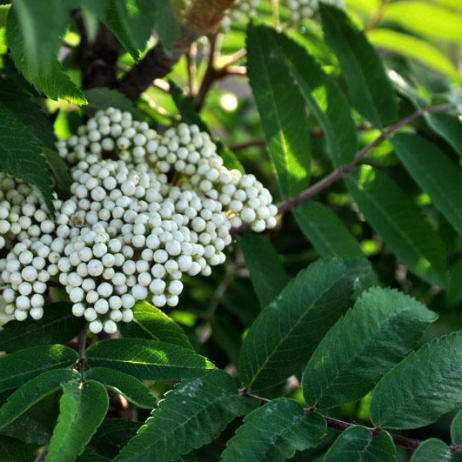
<point>193,414</point>
<point>14,450</point>
<point>414,48</point>
<point>148,359</point>
<point>274,432</point>
<point>403,229</point>
<point>41,23</point>
<point>422,387</point>
<point>21,155</point>
<point>152,323</point>
<point>26,110</point>
<point>425,20</point>
<point>357,443</point>
<point>82,409</point>
<point>129,387</point>
<point>369,87</point>
<point>18,367</point>
<point>60,171</point>
<point>326,231</point>
<point>434,172</point>
<point>282,338</point>
<point>132,22</point>
<point>166,24</point>
<point>102,98</point>
<point>32,392</point>
<point>267,273</point>
<point>381,328</point>
<point>456,429</point>
<point>449,127</point>
<point>57,325</point>
<point>283,113</point>
<point>323,97</point>
<point>454,291</point>
<point>432,450</point>
<point>113,434</point>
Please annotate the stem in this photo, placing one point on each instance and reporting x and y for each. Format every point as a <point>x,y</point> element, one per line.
<point>377,17</point>
<point>341,426</point>
<point>345,169</point>
<point>82,347</point>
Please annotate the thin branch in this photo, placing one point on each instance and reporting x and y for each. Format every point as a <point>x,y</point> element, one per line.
<point>341,425</point>
<point>202,19</point>
<point>345,169</point>
<point>378,15</point>
<point>210,73</point>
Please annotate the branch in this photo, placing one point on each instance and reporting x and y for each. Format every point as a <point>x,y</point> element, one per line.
<point>341,426</point>
<point>345,169</point>
<point>202,19</point>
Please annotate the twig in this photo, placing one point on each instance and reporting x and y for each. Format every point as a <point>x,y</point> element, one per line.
<point>202,19</point>
<point>210,73</point>
<point>82,348</point>
<point>378,15</point>
<point>341,426</point>
<point>345,169</point>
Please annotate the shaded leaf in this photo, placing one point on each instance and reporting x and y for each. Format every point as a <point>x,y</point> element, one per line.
<point>284,335</point>
<point>422,387</point>
<point>283,113</point>
<point>82,409</point>
<point>193,414</point>
<point>57,325</point>
<point>147,359</point>
<point>403,229</point>
<point>357,443</point>
<point>103,98</point>
<point>18,367</point>
<point>32,392</point>
<point>432,450</point>
<point>434,172</point>
<point>267,273</point>
<point>274,432</point>
<point>129,387</point>
<point>368,84</point>
<point>14,450</point>
<point>456,429</point>
<point>381,328</point>
<point>326,231</point>
<point>152,323</point>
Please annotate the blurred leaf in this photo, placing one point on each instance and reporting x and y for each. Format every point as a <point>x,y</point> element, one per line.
<point>454,291</point>
<point>42,24</point>
<point>165,23</point>
<point>102,98</point>
<point>368,84</point>
<point>147,359</point>
<point>434,172</point>
<point>284,335</point>
<point>323,97</point>
<point>82,409</point>
<point>283,113</point>
<point>402,227</point>
<point>274,432</point>
<point>422,387</point>
<point>12,450</point>
<point>151,323</point>
<point>373,336</point>
<point>449,127</point>
<point>32,392</point>
<point>432,450</point>
<point>357,443</point>
<point>456,429</point>
<point>129,387</point>
<point>267,273</point>
<point>58,325</point>
<point>18,367</point>
<point>425,19</point>
<point>194,413</point>
<point>326,231</point>
<point>414,48</point>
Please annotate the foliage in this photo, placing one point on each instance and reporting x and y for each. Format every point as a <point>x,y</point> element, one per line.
<point>334,336</point>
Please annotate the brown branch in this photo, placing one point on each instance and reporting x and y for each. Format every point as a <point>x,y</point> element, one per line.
<point>345,169</point>
<point>202,19</point>
<point>341,426</point>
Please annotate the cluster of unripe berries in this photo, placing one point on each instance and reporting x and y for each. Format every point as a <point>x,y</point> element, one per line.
<point>303,9</point>
<point>145,209</point>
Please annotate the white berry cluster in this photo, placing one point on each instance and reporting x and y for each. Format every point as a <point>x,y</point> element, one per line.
<point>241,9</point>
<point>303,9</point>
<point>145,209</point>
